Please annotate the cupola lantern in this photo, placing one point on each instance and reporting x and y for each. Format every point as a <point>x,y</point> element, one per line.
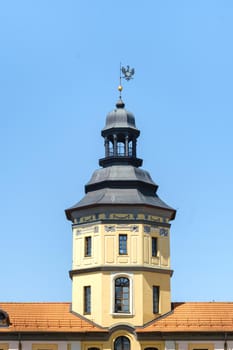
<point>120,138</point>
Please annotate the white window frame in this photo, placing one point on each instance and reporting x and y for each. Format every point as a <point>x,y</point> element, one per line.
<point>114,276</point>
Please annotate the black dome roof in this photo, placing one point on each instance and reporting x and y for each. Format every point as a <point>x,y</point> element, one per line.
<point>120,118</point>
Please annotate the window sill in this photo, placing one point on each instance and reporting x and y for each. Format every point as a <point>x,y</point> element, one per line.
<point>123,254</point>
<point>121,314</point>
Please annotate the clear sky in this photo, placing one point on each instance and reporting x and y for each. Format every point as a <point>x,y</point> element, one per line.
<point>59,63</point>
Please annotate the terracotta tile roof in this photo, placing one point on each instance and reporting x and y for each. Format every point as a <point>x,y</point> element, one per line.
<point>195,316</point>
<point>44,317</point>
<point>56,317</point>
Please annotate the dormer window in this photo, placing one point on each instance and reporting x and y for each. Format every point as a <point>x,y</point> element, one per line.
<point>4,319</point>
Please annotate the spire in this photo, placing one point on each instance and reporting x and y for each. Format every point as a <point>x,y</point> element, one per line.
<point>120,132</point>
<point>120,87</point>
<point>127,75</point>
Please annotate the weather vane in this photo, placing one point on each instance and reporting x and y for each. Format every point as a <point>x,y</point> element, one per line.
<point>127,74</point>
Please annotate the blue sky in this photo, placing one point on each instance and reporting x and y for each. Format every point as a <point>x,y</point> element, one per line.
<point>59,63</point>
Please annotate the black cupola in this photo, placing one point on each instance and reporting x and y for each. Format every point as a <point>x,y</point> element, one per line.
<point>120,138</point>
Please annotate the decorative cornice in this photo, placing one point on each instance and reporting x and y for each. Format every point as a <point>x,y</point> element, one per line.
<point>120,221</point>
<point>119,269</point>
<point>106,333</point>
<point>146,336</point>
<point>56,336</point>
<point>96,206</point>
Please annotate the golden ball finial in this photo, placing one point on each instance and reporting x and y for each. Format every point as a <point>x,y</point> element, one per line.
<point>120,88</point>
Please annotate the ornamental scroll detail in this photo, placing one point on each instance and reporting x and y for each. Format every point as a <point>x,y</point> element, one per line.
<point>127,216</point>
<point>110,228</point>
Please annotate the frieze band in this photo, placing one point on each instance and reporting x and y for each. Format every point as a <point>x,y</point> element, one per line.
<point>120,216</point>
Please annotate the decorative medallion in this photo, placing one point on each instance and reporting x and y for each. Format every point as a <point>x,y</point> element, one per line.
<point>163,232</point>
<point>147,229</point>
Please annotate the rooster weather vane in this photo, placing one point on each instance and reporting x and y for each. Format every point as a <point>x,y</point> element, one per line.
<point>127,74</point>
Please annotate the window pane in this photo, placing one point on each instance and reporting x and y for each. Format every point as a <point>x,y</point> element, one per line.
<point>87,300</point>
<point>122,244</point>
<point>121,295</point>
<point>87,246</point>
<point>155,299</point>
<point>122,343</point>
<point>154,246</point>
<point>120,149</point>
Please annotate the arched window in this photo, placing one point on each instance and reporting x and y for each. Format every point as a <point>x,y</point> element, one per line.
<point>122,295</point>
<point>93,348</point>
<point>122,343</point>
<point>151,348</point>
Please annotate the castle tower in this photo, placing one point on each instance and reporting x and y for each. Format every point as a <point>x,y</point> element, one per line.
<point>121,254</point>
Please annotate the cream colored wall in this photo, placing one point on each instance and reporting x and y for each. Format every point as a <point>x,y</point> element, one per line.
<point>102,297</point>
<point>135,345</point>
<point>49,345</point>
<point>108,345</point>
<point>151,279</point>
<point>4,346</point>
<point>189,345</point>
<point>105,249</point>
<point>84,345</point>
<point>160,345</point>
<point>95,281</point>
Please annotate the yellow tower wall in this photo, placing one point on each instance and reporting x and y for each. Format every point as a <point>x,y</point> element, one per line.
<point>102,297</point>
<point>105,246</point>
<point>105,264</point>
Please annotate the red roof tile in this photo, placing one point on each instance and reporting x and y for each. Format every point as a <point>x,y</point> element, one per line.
<point>195,316</point>
<point>44,317</point>
<point>56,317</point>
